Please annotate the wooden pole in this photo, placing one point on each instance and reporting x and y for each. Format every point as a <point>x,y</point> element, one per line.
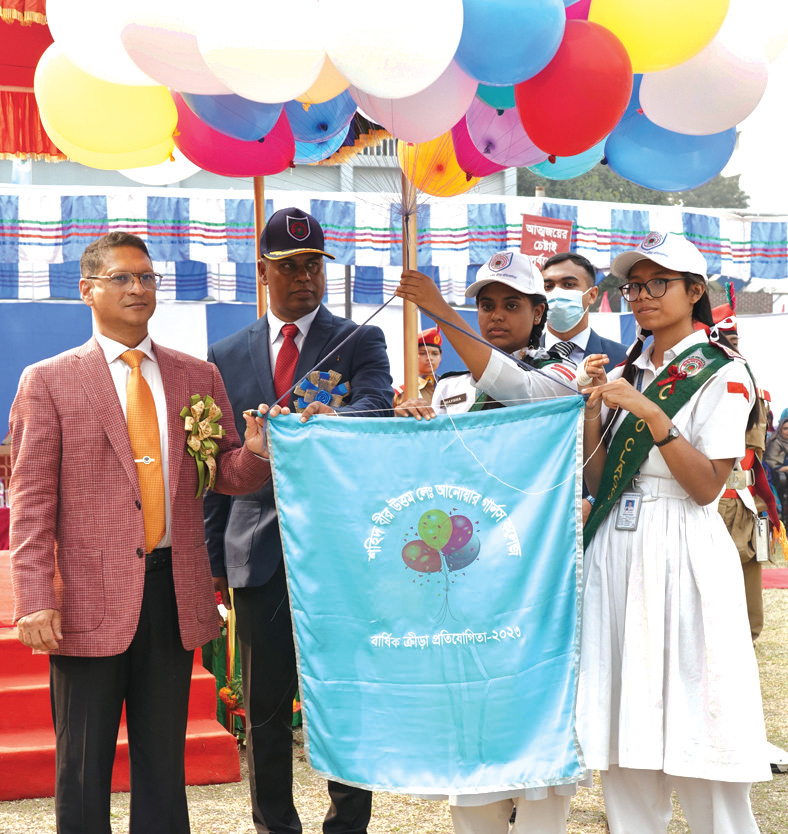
<point>259,222</point>
<point>410,313</point>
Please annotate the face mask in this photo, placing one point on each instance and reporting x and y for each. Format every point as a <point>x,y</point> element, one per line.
<point>565,309</point>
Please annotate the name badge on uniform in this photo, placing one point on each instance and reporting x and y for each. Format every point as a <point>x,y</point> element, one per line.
<point>457,398</point>
<point>629,508</point>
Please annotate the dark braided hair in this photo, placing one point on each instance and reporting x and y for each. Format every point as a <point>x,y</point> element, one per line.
<point>701,313</point>
<point>536,333</point>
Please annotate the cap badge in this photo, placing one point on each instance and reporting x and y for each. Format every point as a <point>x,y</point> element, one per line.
<point>298,227</point>
<point>652,240</point>
<point>499,261</point>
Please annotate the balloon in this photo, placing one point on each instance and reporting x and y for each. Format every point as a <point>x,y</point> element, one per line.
<point>87,32</point>
<point>501,98</point>
<point>308,153</point>
<point>220,154</point>
<point>391,55</point>
<point>235,116</point>
<point>711,92</point>
<point>568,167</point>
<point>260,51</point>
<point>98,116</point>
<point>501,136</point>
<point>580,97</point>
<point>320,122</point>
<point>648,155</point>
<point>426,115</point>
<point>433,168</point>
<point>461,532</point>
<point>421,557</point>
<point>435,528</point>
<point>142,157</point>
<point>468,156</point>
<point>162,43</point>
<point>578,10</point>
<point>505,42</point>
<point>330,83</point>
<point>659,34</point>
<point>464,556</point>
<point>175,169</point>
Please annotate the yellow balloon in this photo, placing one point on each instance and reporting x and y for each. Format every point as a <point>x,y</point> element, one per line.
<point>330,83</point>
<point>111,161</point>
<point>97,116</point>
<point>433,168</point>
<point>659,34</point>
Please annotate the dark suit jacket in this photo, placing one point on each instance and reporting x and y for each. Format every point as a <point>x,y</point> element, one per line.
<point>243,533</point>
<point>615,350</point>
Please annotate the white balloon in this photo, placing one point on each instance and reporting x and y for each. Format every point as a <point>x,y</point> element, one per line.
<point>158,36</point>
<point>426,115</point>
<point>260,51</point>
<point>391,54</point>
<point>87,32</point>
<point>711,92</point>
<point>175,169</point>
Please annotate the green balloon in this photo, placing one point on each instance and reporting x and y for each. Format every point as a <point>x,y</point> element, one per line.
<point>435,528</point>
<point>501,98</point>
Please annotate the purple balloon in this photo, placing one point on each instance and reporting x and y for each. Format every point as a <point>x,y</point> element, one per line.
<point>501,137</point>
<point>463,557</point>
<point>461,532</point>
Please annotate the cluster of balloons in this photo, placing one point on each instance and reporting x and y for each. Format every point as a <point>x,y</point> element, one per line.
<point>451,537</point>
<point>468,87</point>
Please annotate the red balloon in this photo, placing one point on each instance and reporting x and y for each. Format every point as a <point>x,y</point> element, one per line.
<point>579,97</point>
<point>220,154</point>
<point>419,556</point>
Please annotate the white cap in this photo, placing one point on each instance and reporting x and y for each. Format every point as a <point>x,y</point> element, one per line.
<point>511,268</point>
<point>669,250</point>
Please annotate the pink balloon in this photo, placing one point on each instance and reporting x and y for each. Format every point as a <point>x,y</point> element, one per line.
<point>470,159</point>
<point>501,137</point>
<point>461,532</point>
<point>229,157</point>
<point>579,10</point>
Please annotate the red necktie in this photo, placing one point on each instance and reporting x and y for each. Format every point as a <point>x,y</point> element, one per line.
<point>286,361</point>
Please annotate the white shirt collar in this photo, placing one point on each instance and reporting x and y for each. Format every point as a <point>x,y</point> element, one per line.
<point>275,324</point>
<point>580,339</point>
<point>698,337</point>
<point>112,349</point>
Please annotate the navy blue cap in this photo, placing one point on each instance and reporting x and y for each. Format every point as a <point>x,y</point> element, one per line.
<point>289,232</point>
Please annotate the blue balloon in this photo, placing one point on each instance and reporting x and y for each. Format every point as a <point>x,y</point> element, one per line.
<point>505,42</point>
<point>569,167</point>
<point>648,155</point>
<point>320,122</point>
<point>501,98</point>
<point>234,116</point>
<point>309,152</point>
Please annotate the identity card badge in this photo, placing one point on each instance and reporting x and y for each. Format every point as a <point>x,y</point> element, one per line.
<point>629,508</point>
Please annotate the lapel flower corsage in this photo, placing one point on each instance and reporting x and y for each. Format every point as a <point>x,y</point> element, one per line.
<point>200,419</point>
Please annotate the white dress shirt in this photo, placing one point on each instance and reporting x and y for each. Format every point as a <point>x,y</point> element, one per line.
<point>120,372</point>
<point>275,336</point>
<point>579,340</point>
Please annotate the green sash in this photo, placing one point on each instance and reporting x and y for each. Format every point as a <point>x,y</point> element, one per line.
<point>633,441</point>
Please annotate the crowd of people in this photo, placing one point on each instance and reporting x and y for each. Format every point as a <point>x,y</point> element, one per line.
<point>674,487</point>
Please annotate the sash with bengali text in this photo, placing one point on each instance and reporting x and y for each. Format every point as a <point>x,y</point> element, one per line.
<point>434,572</point>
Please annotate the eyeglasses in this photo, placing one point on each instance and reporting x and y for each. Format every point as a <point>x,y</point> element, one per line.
<point>656,288</point>
<point>124,280</point>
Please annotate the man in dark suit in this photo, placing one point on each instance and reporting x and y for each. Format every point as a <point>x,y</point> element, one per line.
<point>298,342</point>
<point>570,285</point>
<point>108,560</point>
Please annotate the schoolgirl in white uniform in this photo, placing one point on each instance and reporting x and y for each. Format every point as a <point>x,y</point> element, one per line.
<point>668,696</point>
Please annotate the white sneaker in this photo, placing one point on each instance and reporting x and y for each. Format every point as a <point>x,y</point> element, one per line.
<point>778,758</point>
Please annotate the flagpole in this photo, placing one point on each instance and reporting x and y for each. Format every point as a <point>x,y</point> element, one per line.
<point>259,222</point>
<point>410,313</point>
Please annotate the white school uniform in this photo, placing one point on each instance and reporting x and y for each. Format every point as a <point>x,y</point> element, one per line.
<point>668,678</point>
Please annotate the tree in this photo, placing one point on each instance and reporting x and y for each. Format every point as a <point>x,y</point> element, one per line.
<point>600,183</point>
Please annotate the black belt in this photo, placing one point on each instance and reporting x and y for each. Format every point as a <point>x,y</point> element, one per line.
<point>158,559</point>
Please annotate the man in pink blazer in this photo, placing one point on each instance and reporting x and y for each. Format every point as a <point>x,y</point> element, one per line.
<point>120,624</point>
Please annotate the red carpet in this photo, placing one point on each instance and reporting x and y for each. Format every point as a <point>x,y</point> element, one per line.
<point>775,578</point>
<point>27,740</point>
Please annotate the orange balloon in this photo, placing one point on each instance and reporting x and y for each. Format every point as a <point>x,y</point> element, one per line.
<point>330,83</point>
<point>433,168</point>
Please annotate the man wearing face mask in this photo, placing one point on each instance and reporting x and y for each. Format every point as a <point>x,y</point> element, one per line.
<point>570,285</point>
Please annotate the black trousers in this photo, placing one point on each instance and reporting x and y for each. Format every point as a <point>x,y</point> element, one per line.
<point>153,677</point>
<point>268,666</point>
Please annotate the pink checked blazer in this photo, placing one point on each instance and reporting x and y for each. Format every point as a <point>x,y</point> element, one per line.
<point>77,529</point>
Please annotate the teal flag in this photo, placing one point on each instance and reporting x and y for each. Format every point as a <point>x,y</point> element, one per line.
<point>434,570</point>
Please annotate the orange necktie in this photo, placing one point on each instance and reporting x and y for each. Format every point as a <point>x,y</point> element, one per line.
<point>145,444</point>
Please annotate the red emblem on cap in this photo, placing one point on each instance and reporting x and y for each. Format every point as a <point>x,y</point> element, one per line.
<point>651,240</point>
<point>298,227</point>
